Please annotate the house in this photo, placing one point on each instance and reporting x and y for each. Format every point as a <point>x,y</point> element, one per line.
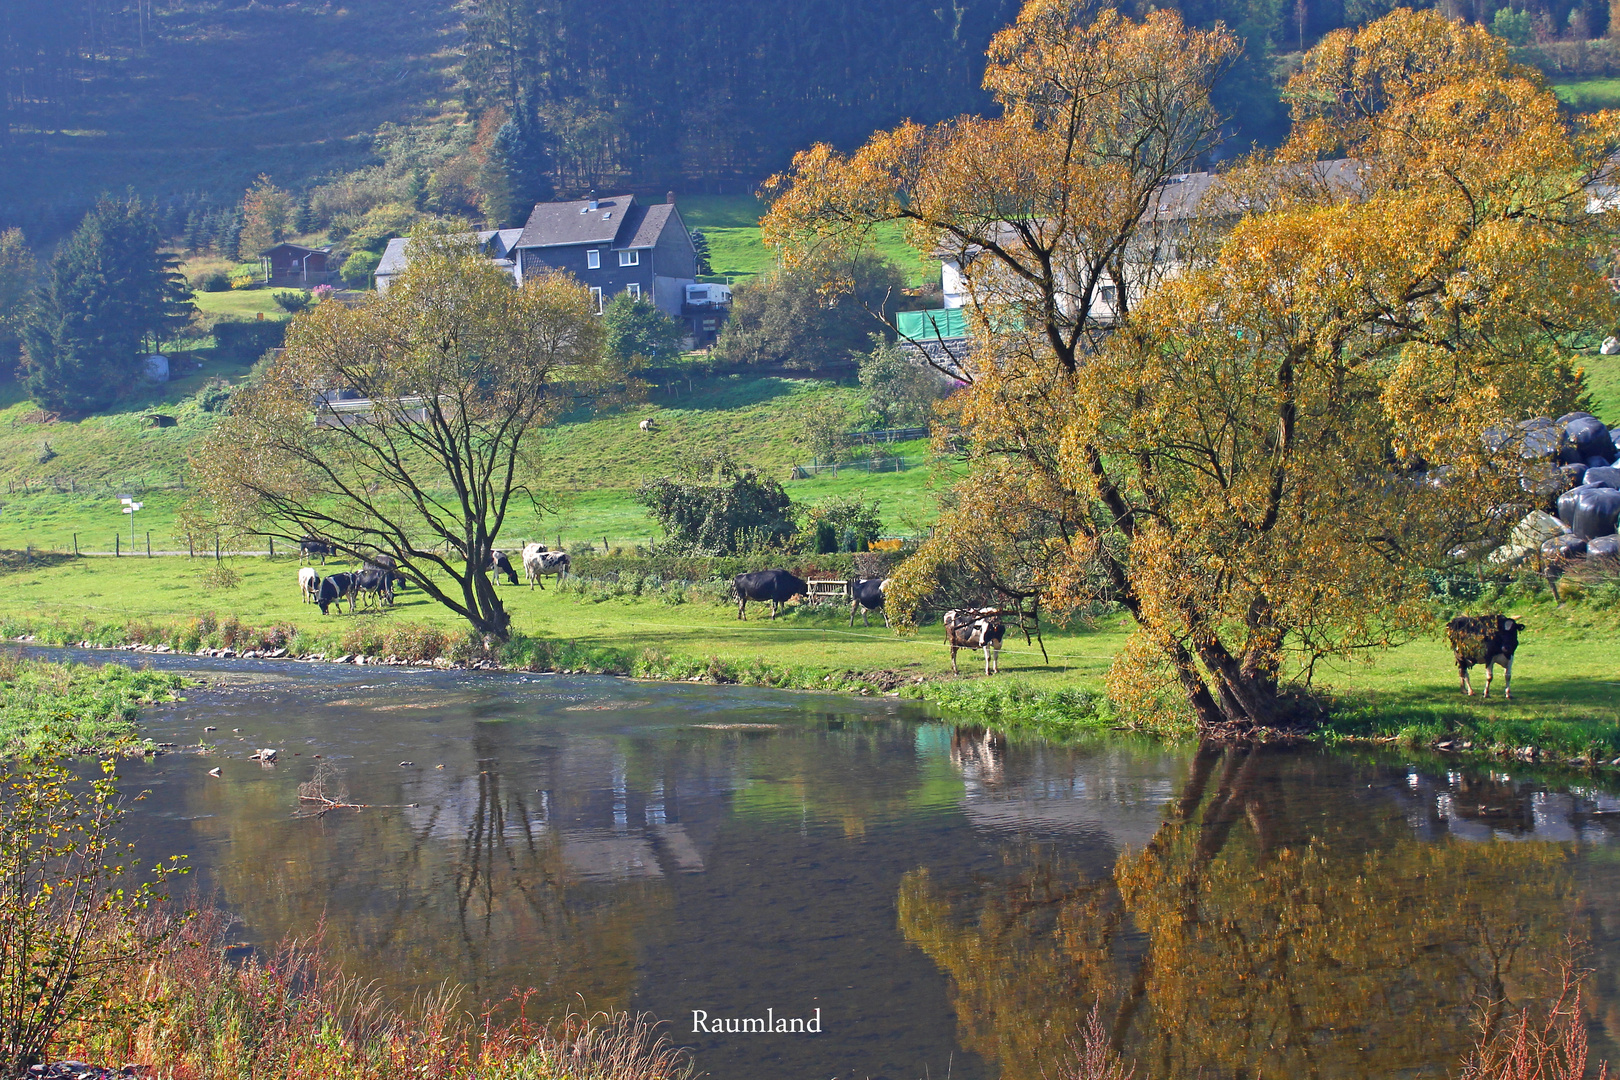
<point>612,245</point>
<point>496,243</point>
<point>292,264</point>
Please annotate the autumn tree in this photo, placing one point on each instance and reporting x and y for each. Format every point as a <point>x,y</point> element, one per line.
<point>267,213</point>
<point>460,369</point>
<point>1275,421</point>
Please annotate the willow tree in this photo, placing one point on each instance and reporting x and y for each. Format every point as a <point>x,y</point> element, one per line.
<point>1256,452</point>
<point>458,369</point>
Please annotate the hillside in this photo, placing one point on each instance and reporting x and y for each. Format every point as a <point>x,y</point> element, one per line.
<point>592,463</point>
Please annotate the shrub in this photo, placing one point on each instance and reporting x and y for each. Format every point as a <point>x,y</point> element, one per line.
<point>71,922</point>
<point>358,268</point>
<point>249,339</point>
<point>842,523</point>
<point>736,510</point>
<point>214,396</point>
<point>213,281</point>
<point>291,300</point>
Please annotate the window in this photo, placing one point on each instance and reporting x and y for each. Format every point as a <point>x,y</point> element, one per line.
<point>593,259</point>
<point>1110,294</point>
<point>634,289</point>
<point>596,299</point>
<point>629,258</point>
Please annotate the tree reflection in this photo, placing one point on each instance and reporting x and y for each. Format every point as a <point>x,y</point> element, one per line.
<point>1258,934</point>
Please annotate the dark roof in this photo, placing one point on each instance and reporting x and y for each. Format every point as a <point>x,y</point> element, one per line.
<point>496,243</point>
<point>561,224</point>
<point>296,250</point>
<point>648,223</point>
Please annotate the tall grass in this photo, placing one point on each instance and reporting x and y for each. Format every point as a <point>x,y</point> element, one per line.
<point>190,1013</point>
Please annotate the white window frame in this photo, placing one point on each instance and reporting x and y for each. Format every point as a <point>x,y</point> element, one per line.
<point>629,258</point>
<point>596,298</point>
<point>593,259</point>
<point>634,289</point>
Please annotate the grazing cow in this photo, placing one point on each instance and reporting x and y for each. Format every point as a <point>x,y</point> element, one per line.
<point>867,595</point>
<point>314,545</point>
<point>975,628</point>
<point>389,564</point>
<point>334,589</point>
<point>376,584</point>
<point>777,586</point>
<point>1488,640</point>
<point>309,583</point>
<point>649,425</point>
<point>499,564</point>
<point>539,563</point>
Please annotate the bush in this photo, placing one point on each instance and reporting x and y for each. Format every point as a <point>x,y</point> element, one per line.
<point>842,523</point>
<point>358,268</point>
<point>737,510</point>
<point>70,919</point>
<point>635,328</point>
<point>247,340</point>
<point>784,318</point>
<point>215,396</point>
<point>213,281</point>
<point>291,301</point>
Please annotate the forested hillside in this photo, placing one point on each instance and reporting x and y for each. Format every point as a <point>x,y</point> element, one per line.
<point>390,101</point>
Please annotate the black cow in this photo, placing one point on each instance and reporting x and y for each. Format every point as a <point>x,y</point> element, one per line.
<point>314,545</point>
<point>1488,640</point>
<point>777,586</point>
<point>975,628</point>
<point>499,564</point>
<point>377,583</point>
<point>334,587</point>
<point>391,565</point>
<point>866,594</point>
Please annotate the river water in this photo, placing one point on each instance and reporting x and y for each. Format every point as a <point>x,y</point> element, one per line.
<point>949,905</point>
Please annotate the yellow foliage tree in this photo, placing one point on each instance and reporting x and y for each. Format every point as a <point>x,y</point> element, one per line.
<point>267,211</point>
<point>460,369</point>
<point>1279,423</point>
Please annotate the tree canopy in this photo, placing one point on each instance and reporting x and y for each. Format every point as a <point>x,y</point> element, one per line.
<point>460,369</point>
<point>1277,421</point>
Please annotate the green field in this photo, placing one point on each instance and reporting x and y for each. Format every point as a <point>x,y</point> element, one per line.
<point>1603,381</point>
<point>731,223</point>
<point>243,303</point>
<point>1589,94</point>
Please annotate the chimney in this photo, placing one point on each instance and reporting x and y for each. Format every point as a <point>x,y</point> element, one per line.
<point>670,198</point>
<point>592,205</point>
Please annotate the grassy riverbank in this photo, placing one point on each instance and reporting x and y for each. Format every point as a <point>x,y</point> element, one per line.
<point>75,707</point>
<point>1566,695</point>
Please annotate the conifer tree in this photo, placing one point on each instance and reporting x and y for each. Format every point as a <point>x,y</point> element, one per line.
<point>107,294</point>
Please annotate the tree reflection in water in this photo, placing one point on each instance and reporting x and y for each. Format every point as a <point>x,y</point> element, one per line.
<point>471,886</point>
<point>1258,934</point>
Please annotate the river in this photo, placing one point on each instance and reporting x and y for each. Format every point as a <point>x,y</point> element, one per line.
<point>947,904</point>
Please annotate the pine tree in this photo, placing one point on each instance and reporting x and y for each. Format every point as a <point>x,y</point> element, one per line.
<point>196,236</point>
<point>16,279</point>
<point>107,293</point>
<point>523,167</point>
<point>700,247</point>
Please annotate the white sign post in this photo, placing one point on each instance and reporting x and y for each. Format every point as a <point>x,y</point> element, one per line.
<point>130,506</point>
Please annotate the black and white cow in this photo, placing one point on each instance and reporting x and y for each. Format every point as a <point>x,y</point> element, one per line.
<point>314,545</point>
<point>334,588</point>
<point>866,595</point>
<point>539,563</point>
<point>499,564</point>
<point>309,583</point>
<point>378,584</point>
<point>777,586</point>
<point>389,564</point>
<point>975,628</point>
<point>1488,640</point>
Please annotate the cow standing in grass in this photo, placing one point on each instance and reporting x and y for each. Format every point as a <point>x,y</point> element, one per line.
<point>1488,640</point>
<point>309,583</point>
<point>539,563</point>
<point>499,564</point>
<point>334,589</point>
<point>376,584</point>
<point>975,628</point>
<point>866,596</point>
<point>776,586</point>
<point>314,545</point>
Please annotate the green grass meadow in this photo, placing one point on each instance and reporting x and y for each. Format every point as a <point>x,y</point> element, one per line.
<point>1586,95</point>
<point>731,224</point>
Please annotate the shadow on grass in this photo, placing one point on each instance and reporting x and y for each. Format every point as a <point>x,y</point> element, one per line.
<point>14,562</point>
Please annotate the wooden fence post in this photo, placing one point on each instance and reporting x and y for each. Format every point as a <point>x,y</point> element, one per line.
<point>75,545</point>
<point>117,549</point>
<point>148,543</point>
<point>216,549</point>
<point>272,547</point>
<point>191,546</point>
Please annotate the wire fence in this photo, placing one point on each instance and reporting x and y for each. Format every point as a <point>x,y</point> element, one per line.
<point>874,464</point>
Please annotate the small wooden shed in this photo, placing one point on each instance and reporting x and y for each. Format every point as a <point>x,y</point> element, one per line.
<point>292,264</point>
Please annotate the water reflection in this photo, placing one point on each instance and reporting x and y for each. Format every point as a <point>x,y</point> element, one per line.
<point>952,902</point>
<point>1290,917</point>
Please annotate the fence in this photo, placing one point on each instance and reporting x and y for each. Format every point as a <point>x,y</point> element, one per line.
<point>70,485</point>
<point>886,435</point>
<point>895,463</point>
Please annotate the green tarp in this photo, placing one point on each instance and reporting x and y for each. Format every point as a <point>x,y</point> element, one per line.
<point>928,325</point>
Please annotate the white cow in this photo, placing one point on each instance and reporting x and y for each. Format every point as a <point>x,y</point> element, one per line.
<point>309,583</point>
<point>649,425</point>
<point>539,563</point>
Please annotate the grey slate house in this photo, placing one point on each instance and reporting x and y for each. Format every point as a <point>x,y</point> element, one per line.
<point>612,245</point>
<point>496,243</point>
